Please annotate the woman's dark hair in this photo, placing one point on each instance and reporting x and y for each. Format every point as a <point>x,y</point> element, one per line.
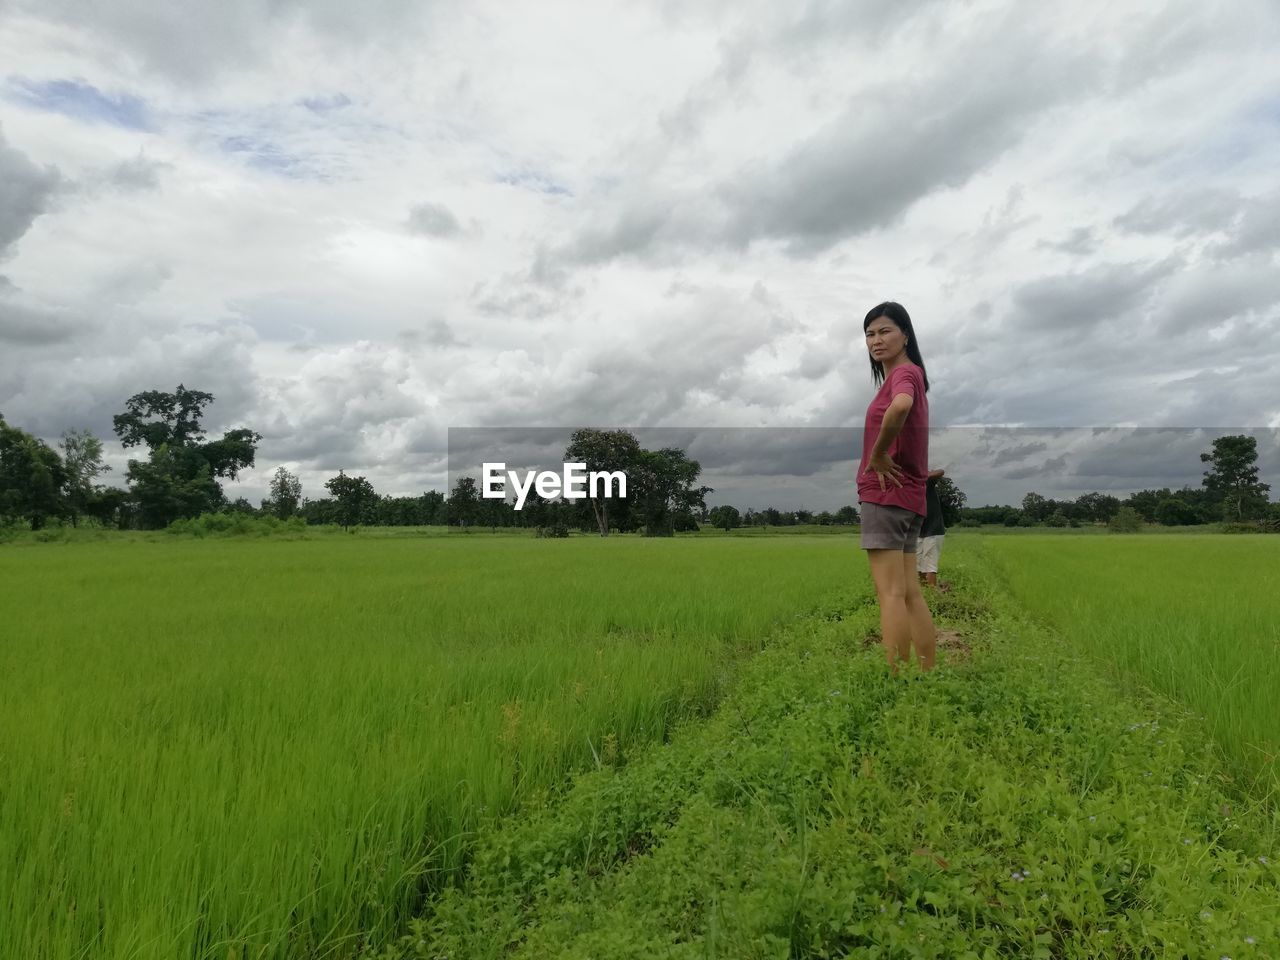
<point>898,314</point>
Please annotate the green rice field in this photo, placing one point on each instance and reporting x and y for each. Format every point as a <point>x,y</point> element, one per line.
<point>1194,617</point>
<point>282,746</point>
<point>405,747</point>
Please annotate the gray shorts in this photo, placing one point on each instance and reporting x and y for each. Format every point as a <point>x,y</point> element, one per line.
<point>890,528</point>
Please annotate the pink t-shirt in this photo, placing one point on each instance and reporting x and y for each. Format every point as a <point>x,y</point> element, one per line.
<point>910,448</point>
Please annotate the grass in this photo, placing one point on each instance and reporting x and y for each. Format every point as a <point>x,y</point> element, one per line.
<point>610,748</point>
<point>1012,805</point>
<point>278,748</point>
<point>1194,617</point>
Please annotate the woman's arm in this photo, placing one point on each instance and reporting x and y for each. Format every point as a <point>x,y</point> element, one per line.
<point>895,417</point>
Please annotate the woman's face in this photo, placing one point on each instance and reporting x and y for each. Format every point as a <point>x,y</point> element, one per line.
<point>885,339</point>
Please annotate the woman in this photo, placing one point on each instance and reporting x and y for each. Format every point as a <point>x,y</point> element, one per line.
<point>891,483</point>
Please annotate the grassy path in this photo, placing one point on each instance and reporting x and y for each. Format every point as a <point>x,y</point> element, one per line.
<point>1009,805</point>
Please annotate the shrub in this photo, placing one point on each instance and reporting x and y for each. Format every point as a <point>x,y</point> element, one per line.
<point>1126,520</point>
<point>236,525</point>
<point>1243,526</point>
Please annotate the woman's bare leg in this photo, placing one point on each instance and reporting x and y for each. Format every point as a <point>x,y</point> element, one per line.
<point>923,635</point>
<point>888,572</point>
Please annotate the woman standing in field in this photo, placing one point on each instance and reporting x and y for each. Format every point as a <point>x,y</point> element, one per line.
<point>891,482</point>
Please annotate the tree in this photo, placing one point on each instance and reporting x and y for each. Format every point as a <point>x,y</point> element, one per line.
<point>683,520</point>
<point>495,513</point>
<point>603,450</point>
<point>847,515</point>
<point>285,494</point>
<point>664,482</point>
<point>181,477</point>
<point>952,500</point>
<point>356,498</point>
<point>1176,512</point>
<point>112,507</point>
<point>434,508</point>
<point>725,517</point>
<point>154,418</point>
<point>1144,502</point>
<point>82,458</point>
<point>174,482</point>
<point>32,477</point>
<point>1233,479</point>
<point>1098,507</point>
<point>464,502</point>
<point>1036,507</point>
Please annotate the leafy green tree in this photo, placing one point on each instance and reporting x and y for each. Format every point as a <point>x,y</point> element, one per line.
<point>464,502</point>
<point>173,483</point>
<point>1176,512</point>
<point>113,507</point>
<point>952,499</point>
<point>847,515</point>
<point>725,517</point>
<point>153,418</point>
<point>181,477</point>
<point>1098,507</point>
<point>321,511</point>
<point>1036,507</point>
<point>683,520</point>
<point>496,513</point>
<point>284,496</point>
<point>603,450</point>
<point>1144,502</point>
<point>665,482</point>
<point>1233,478</point>
<point>32,477</point>
<point>1057,519</point>
<point>82,458</point>
<point>435,510</point>
<point>355,496</point>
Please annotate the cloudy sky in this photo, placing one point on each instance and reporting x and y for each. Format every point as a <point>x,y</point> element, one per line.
<point>359,225</point>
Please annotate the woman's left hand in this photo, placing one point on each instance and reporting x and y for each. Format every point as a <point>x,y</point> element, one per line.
<point>883,466</point>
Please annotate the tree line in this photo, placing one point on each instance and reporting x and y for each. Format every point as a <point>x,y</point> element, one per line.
<point>1230,492</point>
<point>181,478</point>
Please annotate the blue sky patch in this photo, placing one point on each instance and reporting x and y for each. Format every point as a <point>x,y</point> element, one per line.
<point>534,180</point>
<point>264,155</point>
<point>327,104</point>
<point>83,101</point>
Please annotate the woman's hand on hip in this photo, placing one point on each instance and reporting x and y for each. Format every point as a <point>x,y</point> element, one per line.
<point>884,468</point>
